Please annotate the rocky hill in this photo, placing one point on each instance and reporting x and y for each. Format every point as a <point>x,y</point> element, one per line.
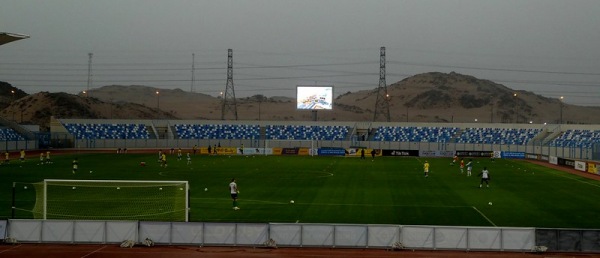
<point>428,97</point>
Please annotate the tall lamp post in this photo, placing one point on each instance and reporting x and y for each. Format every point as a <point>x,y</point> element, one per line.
<point>158,104</point>
<point>13,100</point>
<point>516,109</point>
<point>561,109</point>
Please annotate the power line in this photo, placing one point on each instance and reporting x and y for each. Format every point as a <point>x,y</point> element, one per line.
<point>492,69</point>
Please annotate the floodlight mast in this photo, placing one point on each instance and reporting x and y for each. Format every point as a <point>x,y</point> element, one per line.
<point>89,79</point>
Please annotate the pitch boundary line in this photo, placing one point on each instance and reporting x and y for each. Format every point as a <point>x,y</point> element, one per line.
<point>95,251</point>
<point>14,247</point>
<point>483,215</point>
<point>576,179</point>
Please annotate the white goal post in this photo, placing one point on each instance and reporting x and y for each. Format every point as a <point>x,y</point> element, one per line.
<point>112,200</point>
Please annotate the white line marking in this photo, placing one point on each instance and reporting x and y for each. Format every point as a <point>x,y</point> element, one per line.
<point>483,215</point>
<point>10,248</point>
<point>94,251</point>
<point>575,178</point>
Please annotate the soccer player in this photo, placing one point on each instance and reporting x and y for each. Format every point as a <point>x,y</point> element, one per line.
<point>22,156</point>
<point>485,177</point>
<point>454,160</point>
<point>233,189</point>
<point>160,155</point>
<point>179,154</point>
<point>48,161</point>
<point>41,158</point>
<point>163,160</point>
<point>426,168</point>
<point>189,159</point>
<point>7,157</point>
<point>469,167</point>
<point>195,148</point>
<point>462,166</point>
<point>75,163</point>
<point>362,153</point>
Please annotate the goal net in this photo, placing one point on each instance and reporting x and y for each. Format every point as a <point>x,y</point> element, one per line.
<point>112,200</point>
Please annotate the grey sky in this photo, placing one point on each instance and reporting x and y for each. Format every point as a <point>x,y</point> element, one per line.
<point>550,47</point>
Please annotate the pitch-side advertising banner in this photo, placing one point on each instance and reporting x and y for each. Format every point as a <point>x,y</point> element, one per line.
<point>474,153</point>
<point>580,165</point>
<point>332,152</point>
<point>553,160</point>
<point>513,155</point>
<point>436,153</point>
<point>400,153</point>
<point>592,168</point>
<point>255,151</point>
<point>357,152</point>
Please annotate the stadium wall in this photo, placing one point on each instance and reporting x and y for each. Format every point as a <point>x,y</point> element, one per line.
<point>511,239</point>
<point>565,152</point>
<point>283,235</point>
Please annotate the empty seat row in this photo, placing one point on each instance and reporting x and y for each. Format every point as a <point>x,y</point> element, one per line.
<point>577,139</point>
<point>217,131</point>
<point>108,131</point>
<point>301,132</point>
<point>497,136</point>
<point>8,134</point>
<point>415,134</point>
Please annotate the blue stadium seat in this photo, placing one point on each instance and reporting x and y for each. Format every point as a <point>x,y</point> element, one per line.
<point>108,131</point>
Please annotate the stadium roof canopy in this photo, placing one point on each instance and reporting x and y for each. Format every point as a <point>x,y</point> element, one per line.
<point>6,37</point>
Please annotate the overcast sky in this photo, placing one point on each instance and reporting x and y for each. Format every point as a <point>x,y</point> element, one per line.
<point>550,47</point>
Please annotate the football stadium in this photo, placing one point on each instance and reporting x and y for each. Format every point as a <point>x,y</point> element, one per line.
<point>139,167</point>
<point>309,184</point>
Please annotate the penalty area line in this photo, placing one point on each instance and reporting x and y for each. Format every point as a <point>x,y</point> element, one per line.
<point>483,215</point>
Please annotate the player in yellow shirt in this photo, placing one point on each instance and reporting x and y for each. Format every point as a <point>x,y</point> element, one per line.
<point>48,161</point>
<point>7,157</point>
<point>164,160</point>
<point>22,156</point>
<point>426,168</point>
<point>179,154</point>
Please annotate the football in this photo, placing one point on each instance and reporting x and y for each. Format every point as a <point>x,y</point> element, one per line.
<point>490,203</point>
<point>292,201</point>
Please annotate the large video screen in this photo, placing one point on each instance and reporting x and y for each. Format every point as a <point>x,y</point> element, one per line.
<point>314,97</point>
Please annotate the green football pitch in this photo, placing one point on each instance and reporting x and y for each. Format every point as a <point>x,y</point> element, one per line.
<point>387,190</point>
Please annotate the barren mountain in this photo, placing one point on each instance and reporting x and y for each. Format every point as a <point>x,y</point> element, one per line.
<point>428,97</point>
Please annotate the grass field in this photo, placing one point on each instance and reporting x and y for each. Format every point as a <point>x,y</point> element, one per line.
<point>337,190</point>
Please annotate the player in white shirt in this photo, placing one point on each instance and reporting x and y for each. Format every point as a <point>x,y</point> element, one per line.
<point>189,159</point>
<point>485,177</point>
<point>233,189</point>
<point>469,167</point>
